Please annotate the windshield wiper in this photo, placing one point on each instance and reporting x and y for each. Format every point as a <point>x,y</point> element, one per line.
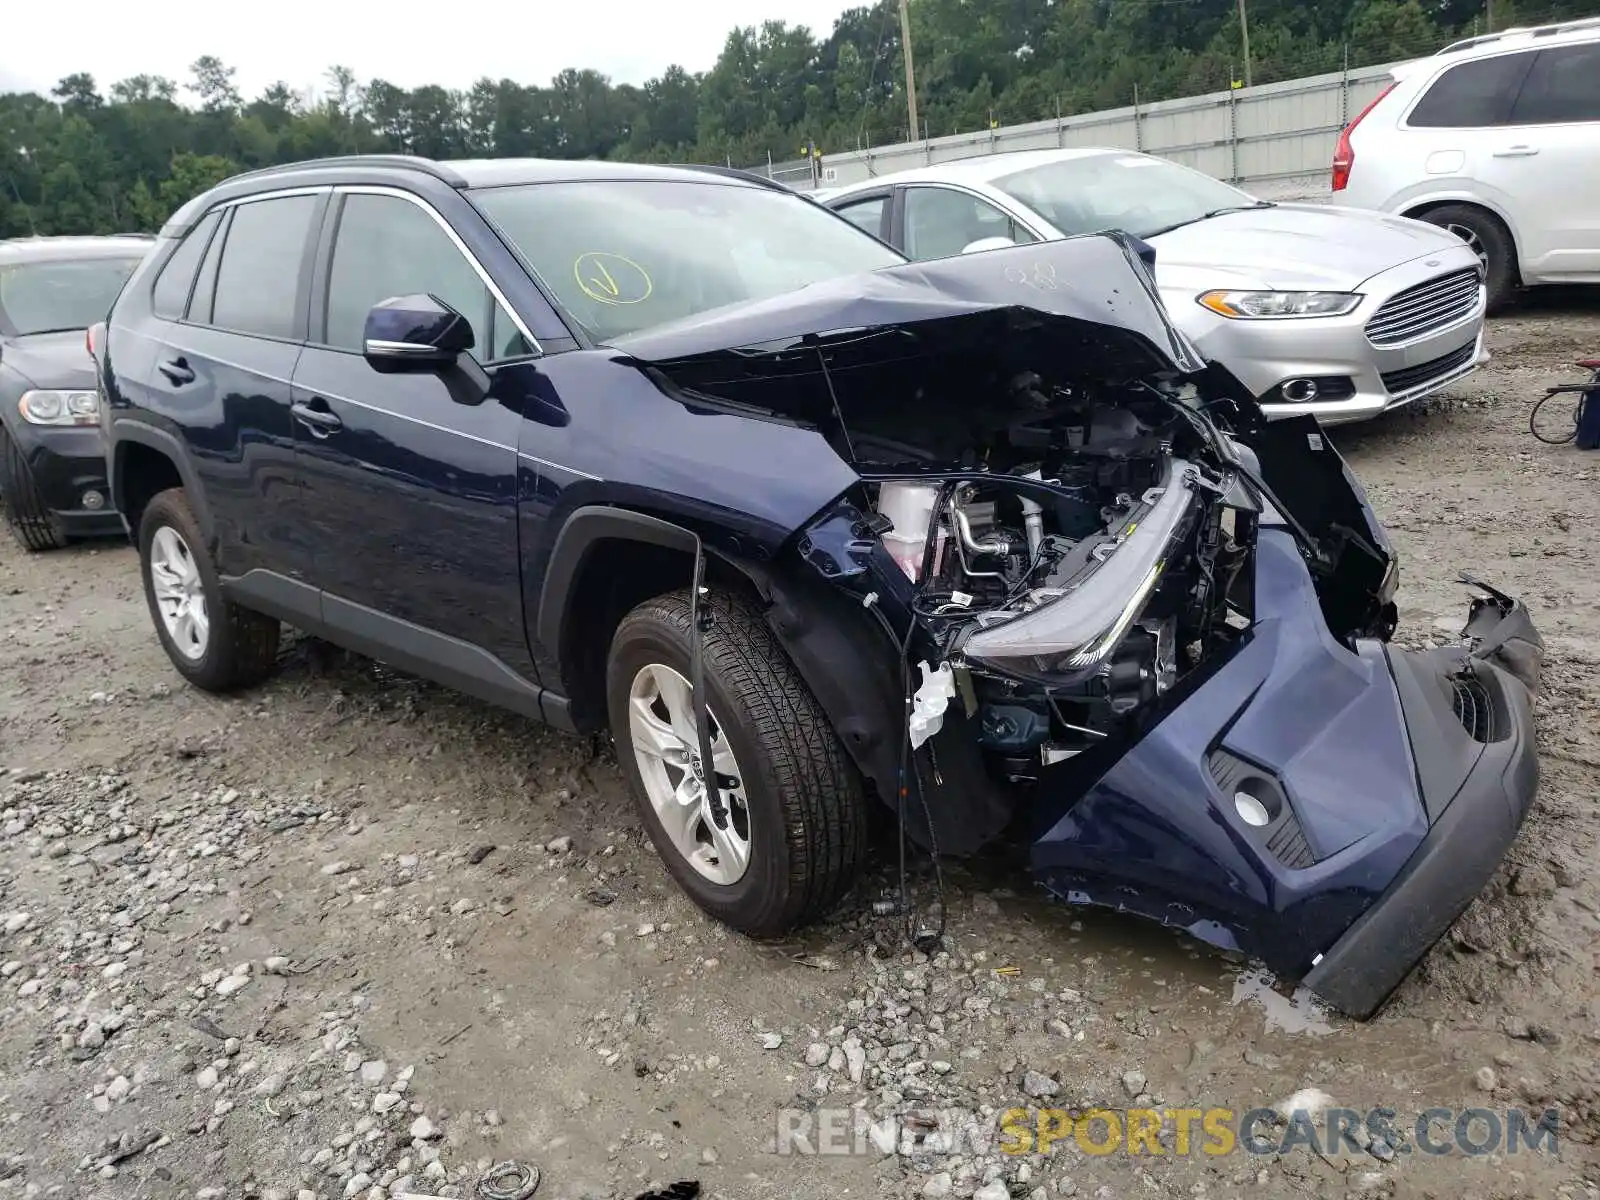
<point>1206,216</point>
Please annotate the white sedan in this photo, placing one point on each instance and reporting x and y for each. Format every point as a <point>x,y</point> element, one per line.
<point>1316,309</point>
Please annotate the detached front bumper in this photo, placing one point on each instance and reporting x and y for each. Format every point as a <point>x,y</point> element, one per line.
<point>1476,791</point>
<point>1392,784</point>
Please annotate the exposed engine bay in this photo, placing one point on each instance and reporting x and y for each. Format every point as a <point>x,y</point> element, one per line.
<point>1069,578</point>
<point>1067,592</point>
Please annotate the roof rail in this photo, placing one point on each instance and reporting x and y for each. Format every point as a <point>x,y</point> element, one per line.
<point>408,162</point>
<point>1538,31</point>
<point>734,173</point>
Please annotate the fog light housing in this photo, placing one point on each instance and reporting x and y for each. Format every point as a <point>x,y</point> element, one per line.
<point>93,500</point>
<point>1305,389</point>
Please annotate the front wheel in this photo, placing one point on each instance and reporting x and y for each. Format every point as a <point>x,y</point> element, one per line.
<point>213,642</point>
<point>780,838</point>
<point>1491,241</point>
<point>26,514</point>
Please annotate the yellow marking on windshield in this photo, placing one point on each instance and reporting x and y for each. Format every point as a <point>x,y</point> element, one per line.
<point>611,278</point>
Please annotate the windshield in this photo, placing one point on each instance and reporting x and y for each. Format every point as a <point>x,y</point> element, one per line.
<point>626,256</point>
<point>1132,192</point>
<point>44,297</point>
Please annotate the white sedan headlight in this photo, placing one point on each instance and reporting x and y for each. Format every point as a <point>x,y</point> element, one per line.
<point>1266,305</point>
<point>50,407</point>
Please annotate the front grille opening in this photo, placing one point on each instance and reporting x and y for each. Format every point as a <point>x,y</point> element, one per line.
<point>1421,310</point>
<point>1407,378</point>
<point>1474,707</point>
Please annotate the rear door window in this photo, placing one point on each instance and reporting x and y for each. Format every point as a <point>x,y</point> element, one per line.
<point>1473,95</point>
<point>258,278</point>
<point>170,296</point>
<point>1562,89</point>
<point>941,222</point>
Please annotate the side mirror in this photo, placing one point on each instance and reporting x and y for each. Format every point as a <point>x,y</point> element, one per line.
<point>415,333</point>
<point>988,243</point>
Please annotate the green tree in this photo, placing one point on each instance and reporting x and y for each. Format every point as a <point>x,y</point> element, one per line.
<point>80,160</point>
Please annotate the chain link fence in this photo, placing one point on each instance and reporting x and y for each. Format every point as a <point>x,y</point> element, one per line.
<point>1270,128</point>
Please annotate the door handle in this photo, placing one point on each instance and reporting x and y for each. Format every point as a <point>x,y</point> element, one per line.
<point>1517,152</point>
<point>177,370</point>
<point>319,421</point>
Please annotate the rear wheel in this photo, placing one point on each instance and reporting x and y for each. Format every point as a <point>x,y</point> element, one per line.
<point>213,642</point>
<point>781,836</point>
<point>1490,240</point>
<point>26,514</point>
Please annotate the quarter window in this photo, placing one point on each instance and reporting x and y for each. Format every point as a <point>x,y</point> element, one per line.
<point>387,247</point>
<point>258,279</point>
<point>941,222</point>
<point>205,286</point>
<point>1562,88</point>
<point>865,214</point>
<point>1472,95</point>
<point>171,292</point>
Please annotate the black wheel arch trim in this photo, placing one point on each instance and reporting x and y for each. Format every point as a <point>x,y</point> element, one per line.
<point>127,430</point>
<point>584,529</point>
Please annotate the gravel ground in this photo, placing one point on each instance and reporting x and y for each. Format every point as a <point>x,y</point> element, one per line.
<point>351,935</point>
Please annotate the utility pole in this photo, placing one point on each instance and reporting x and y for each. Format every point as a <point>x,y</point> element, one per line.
<point>1488,16</point>
<point>911,71</point>
<point>1244,35</point>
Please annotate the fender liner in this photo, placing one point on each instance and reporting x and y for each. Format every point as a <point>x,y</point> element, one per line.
<point>855,674</point>
<point>595,523</point>
<point>138,432</point>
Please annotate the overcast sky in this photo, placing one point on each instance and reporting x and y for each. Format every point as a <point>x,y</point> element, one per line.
<point>408,42</point>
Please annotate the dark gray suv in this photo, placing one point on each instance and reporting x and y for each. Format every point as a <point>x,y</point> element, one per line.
<point>52,461</point>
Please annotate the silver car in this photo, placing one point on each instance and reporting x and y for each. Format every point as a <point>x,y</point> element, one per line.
<point>1316,309</point>
<point>1498,140</point>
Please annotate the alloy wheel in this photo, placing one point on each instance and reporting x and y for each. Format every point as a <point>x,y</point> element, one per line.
<point>1474,243</point>
<point>180,593</point>
<point>709,827</point>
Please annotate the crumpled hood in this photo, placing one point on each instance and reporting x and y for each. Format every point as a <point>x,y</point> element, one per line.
<point>50,360</point>
<point>1300,246</point>
<point>1098,283</point>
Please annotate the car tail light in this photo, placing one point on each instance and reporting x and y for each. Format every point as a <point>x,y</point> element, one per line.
<point>93,338</point>
<point>1344,155</point>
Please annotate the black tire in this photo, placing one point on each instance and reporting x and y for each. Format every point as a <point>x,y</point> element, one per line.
<point>1493,242</point>
<point>242,645</point>
<point>806,803</point>
<point>27,515</point>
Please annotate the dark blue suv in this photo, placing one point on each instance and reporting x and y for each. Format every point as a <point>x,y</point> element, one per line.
<point>678,454</point>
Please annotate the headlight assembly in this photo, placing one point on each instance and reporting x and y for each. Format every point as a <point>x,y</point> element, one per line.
<point>1257,306</point>
<point>1075,633</point>
<point>51,407</point>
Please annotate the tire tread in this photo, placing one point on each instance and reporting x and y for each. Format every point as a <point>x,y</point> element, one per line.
<point>820,791</point>
<point>244,647</point>
<point>27,515</point>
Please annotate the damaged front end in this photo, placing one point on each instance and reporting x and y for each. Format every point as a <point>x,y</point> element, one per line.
<point>1081,586</point>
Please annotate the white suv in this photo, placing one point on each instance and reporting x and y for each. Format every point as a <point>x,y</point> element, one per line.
<point>1498,139</point>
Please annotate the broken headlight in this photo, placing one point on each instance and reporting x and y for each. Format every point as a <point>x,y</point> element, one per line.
<point>1075,631</point>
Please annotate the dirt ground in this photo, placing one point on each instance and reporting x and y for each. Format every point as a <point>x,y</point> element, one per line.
<point>351,935</point>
